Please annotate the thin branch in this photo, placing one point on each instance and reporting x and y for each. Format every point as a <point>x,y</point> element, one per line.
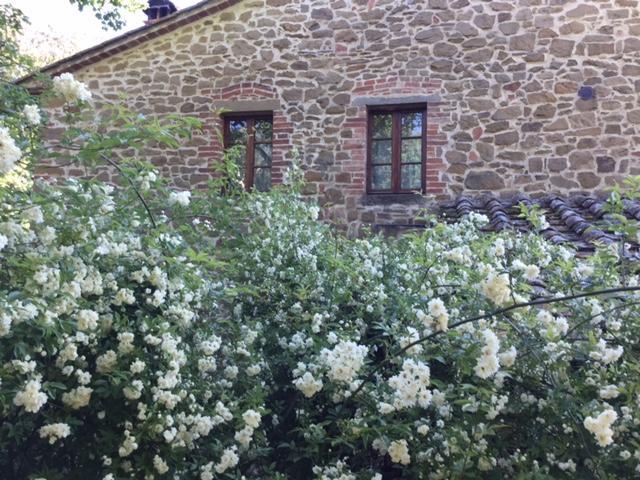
<point>135,189</point>
<point>501,311</point>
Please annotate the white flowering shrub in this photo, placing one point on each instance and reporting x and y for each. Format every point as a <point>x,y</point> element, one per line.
<point>451,353</point>
<point>114,355</point>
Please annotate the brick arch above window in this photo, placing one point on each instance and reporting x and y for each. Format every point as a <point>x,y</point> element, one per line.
<point>245,100</point>
<point>241,90</point>
<point>378,93</point>
<point>398,85</point>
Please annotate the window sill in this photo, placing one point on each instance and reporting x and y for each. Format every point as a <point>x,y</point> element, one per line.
<point>393,198</point>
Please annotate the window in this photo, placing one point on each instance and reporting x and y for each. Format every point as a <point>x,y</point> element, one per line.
<point>396,149</point>
<point>252,136</point>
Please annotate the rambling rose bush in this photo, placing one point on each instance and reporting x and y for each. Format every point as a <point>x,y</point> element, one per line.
<point>115,358</point>
<point>548,390</point>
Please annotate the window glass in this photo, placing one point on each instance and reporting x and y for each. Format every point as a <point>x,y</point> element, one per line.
<point>381,177</point>
<point>381,152</point>
<point>249,142</point>
<point>262,179</point>
<point>382,124</point>
<point>411,151</point>
<point>238,132</point>
<point>396,149</point>
<point>412,124</point>
<point>411,176</point>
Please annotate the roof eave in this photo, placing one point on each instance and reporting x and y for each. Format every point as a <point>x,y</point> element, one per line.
<point>132,38</point>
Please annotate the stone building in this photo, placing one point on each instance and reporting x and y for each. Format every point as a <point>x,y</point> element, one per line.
<point>393,105</point>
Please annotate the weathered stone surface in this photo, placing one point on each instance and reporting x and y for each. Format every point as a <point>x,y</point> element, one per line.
<point>633,116</point>
<point>588,180</point>
<point>582,10</point>
<point>509,28</point>
<point>431,35</point>
<point>631,45</point>
<point>484,21</point>
<point>444,49</point>
<point>484,180</point>
<point>486,151</point>
<point>572,28</point>
<point>557,125</point>
<point>467,29</point>
<point>507,138</point>
<point>606,164</point>
<point>322,14</point>
<point>501,80</point>
<point>525,42</point>
<point>557,164</point>
<point>561,48</point>
<point>545,111</point>
<point>497,127</point>
<point>508,113</point>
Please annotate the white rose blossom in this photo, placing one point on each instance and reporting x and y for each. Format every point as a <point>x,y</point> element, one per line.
<point>10,154</point>
<point>32,114</point>
<point>71,89</point>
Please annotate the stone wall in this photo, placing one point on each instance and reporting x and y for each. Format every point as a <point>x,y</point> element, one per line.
<point>502,81</point>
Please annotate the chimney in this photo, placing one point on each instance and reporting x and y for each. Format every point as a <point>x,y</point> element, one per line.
<point>158,9</point>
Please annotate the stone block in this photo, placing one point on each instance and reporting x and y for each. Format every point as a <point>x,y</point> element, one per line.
<point>484,180</point>
<point>507,138</point>
<point>561,48</point>
<point>605,164</point>
<point>524,42</point>
<point>583,10</point>
<point>431,35</point>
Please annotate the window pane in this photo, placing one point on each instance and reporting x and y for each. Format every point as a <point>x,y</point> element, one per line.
<point>411,177</point>
<point>381,177</point>
<point>412,124</point>
<point>411,151</point>
<point>381,152</point>
<point>263,131</point>
<point>262,179</point>
<point>262,155</point>
<point>382,125</point>
<point>237,132</point>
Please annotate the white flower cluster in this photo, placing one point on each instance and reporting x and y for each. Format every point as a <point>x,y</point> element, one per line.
<point>71,89</point>
<point>338,471</point>
<point>77,398</point>
<point>496,288</point>
<point>410,386</point>
<point>600,426</point>
<point>488,364</point>
<point>344,361</point>
<point>399,452</point>
<point>10,154</point>
<point>606,355</point>
<point>54,432</point>
<point>32,114</point>
<point>180,198</point>
<point>437,317</point>
<point>31,398</point>
<point>228,460</point>
<point>308,385</point>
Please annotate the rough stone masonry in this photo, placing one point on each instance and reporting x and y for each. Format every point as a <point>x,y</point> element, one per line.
<point>502,80</point>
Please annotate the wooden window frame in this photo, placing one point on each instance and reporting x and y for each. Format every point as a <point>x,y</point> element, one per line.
<point>396,146</point>
<point>251,118</point>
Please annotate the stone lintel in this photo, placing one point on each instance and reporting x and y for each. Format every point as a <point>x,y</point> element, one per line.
<point>378,101</point>
<point>232,106</point>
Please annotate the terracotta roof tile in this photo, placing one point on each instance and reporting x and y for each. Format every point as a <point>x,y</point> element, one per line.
<point>579,220</point>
